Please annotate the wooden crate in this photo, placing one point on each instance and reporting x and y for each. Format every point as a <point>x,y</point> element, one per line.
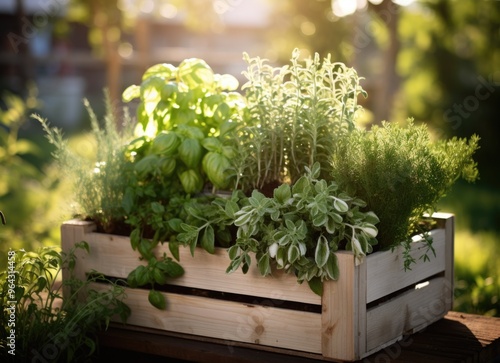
<point>369,307</point>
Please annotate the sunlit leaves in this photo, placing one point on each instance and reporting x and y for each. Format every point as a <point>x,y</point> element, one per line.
<point>300,228</point>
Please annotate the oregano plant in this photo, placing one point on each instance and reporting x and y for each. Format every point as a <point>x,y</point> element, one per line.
<point>300,228</point>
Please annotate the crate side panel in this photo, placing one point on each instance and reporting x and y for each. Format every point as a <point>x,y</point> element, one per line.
<point>407,313</point>
<point>113,256</point>
<point>229,321</point>
<point>386,272</point>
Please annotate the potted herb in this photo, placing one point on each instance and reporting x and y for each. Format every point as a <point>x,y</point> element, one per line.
<point>300,207</point>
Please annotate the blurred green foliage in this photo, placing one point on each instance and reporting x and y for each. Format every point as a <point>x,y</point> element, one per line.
<point>477,272</point>
<point>31,195</point>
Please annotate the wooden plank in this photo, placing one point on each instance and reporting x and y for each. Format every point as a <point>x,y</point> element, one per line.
<point>339,331</point>
<point>449,256</point>
<point>73,232</point>
<point>226,320</point>
<point>406,314</point>
<point>208,271</point>
<point>386,270</point>
<point>112,255</point>
<point>361,318</point>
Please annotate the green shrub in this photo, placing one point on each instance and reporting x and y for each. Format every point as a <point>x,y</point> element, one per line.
<point>401,173</point>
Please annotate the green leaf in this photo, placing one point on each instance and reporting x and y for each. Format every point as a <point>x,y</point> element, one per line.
<point>234,265</point>
<point>146,165</point>
<point>135,238</point>
<point>131,92</point>
<point>141,275</point>
<point>315,170</point>
<point>332,267</point>
<point>233,252</point>
<point>231,208</point>
<point>293,253</point>
<point>208,240</point>
<point>320,219</point>
<point>191,181</point>
<point>157,299</point>
<point>195,72</point>
<point>150,92</point>
<point>159,277</point>
<point>369,229</point>
<point>173,247</point>
<point>165,143</point>
<point>171,268</point>
<point>227,82</point>
<point>162,70</point>
<point>280,257</point>
<point>322,251</point>
<point>145,248</point>
<point>300,185</point>
<point>175,224</point>
<point>331,226</point>
<point>169,91</point>
<point>243,218</point>
<point>282,194</point>
<point>371,217</point>
<point>216,167</point>
<point>336,218</point>
<point>41,283</point>
<point>222,113</point>
<point>340,205</point>
<point>212,144</point>
<point>128,200</point>
<point>264,265</point>
<point>227,126</point>
<point>316,285</point>
<point>190,152</point>
<point>157,208</point>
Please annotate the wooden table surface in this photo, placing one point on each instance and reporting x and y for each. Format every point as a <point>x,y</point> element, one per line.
<point>458,337</point>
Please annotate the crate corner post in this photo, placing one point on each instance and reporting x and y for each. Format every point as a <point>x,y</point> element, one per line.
<point>343,318</point>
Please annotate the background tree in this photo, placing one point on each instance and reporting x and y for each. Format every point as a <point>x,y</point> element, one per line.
<point>112,23</point>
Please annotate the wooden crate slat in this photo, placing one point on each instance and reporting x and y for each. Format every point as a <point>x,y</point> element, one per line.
<point>406,314</point>
<point>227,320</point>
<point>113,256</point>
<point>387,273</point>
<point>208,271</point>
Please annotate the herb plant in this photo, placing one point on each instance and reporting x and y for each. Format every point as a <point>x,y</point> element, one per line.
<point>296,116</point>
<point>98,178</point>
<point>401,173</point>
<point>300,228</point>
<point>184,116</point>
<point>38,322</point>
